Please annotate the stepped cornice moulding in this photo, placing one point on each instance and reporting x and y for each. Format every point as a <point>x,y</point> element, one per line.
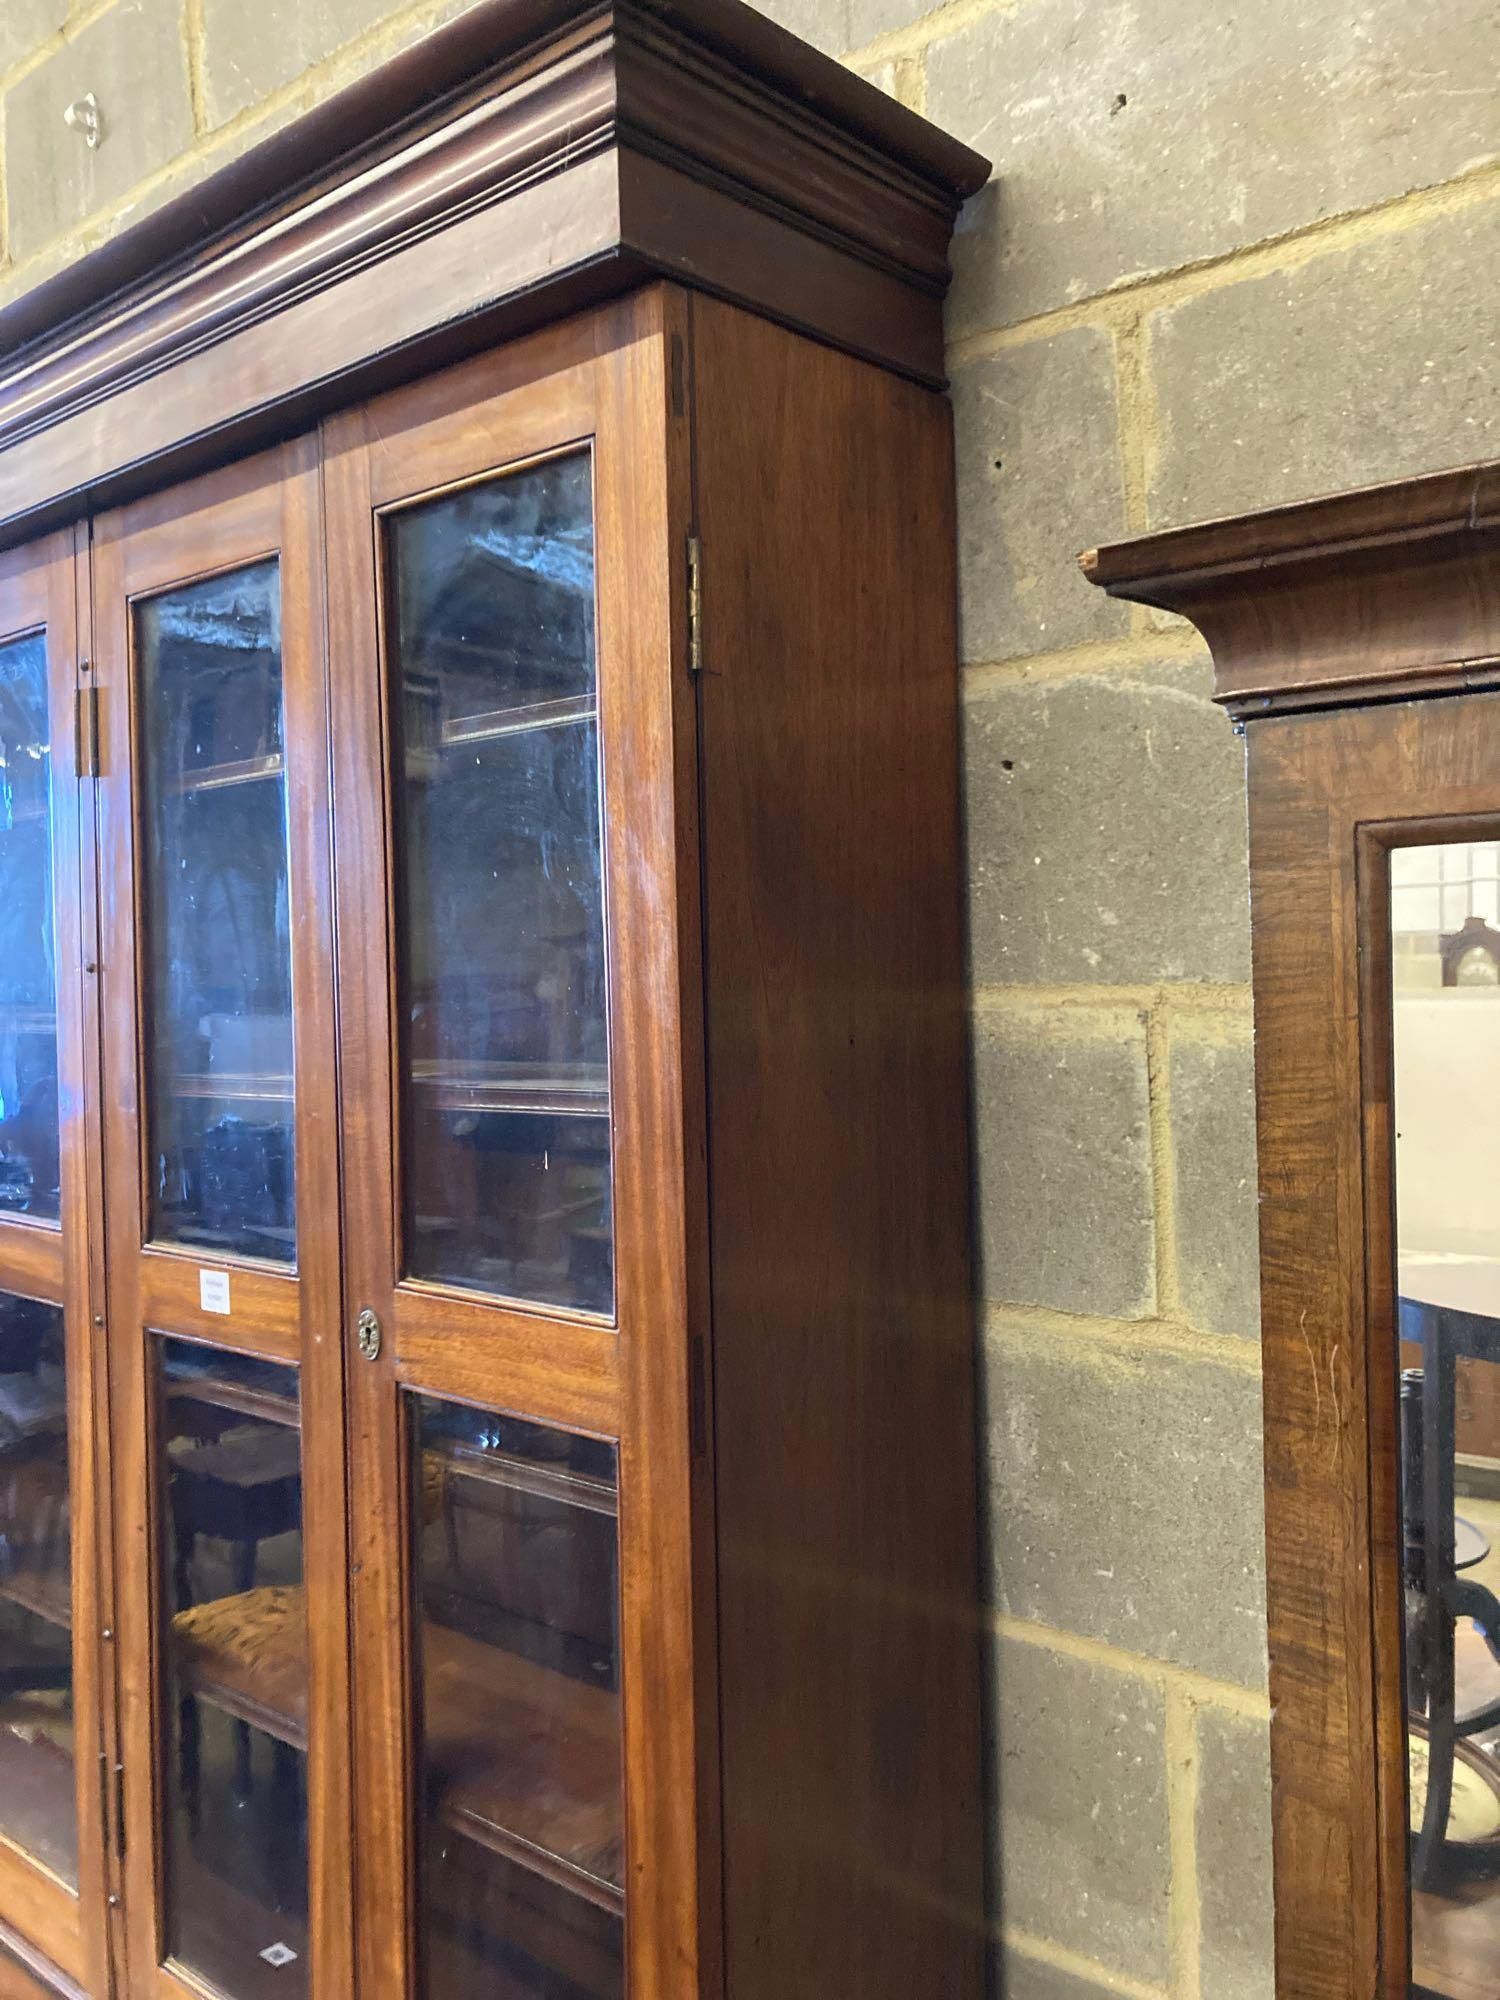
<point>526,159</point>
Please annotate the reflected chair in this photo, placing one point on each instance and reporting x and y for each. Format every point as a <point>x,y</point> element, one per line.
<point>1439,1597</point>
<point>243,1489</point>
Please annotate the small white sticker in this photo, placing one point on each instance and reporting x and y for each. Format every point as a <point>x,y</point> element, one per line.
<point>276,1954</point>
<point>213,1296</point>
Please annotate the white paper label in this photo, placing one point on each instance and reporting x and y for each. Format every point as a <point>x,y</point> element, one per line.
<point>213,1292</point>
<point>275,1954</point>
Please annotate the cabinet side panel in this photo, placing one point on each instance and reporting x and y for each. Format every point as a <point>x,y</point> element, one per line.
<point>843,1329</point>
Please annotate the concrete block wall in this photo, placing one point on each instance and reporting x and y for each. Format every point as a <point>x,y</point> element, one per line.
<point>1235,254</point>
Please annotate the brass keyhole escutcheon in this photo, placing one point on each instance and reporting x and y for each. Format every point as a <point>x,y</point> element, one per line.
<point>368,1328</point>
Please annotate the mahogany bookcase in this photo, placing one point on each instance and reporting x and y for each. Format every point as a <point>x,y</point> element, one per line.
<point>487,1493</point>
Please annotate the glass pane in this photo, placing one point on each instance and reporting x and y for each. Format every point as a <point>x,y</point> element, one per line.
<point>516,1577</point>
<point>28,972</point>
<point>1446,1035</point>
<point>219,1004</point>
<point>235,1707</point>
<point>506,1133</point>
<point>37,1804</point>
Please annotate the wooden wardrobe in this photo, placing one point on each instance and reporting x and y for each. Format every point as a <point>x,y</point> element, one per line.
<point>486,1358</point>
<point>1356,642</point>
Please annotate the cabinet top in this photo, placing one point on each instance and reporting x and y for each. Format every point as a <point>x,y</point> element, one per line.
<point>1386,591</point>
<point>528,158</point>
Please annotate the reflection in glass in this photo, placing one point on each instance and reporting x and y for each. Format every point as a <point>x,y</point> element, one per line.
<point>235,1707</point>
<point>516,1576</point>
<point>219,1077</point>
<point>1446,1039</point>
<point>28,971</point>
<point>506,1133</point>
<point>37,1808</point>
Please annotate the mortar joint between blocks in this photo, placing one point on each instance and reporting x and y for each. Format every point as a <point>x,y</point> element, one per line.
<point>1185,1912</point>
<point>1163,1161</point>
<point>194,40</point>
<point>1146,295</point>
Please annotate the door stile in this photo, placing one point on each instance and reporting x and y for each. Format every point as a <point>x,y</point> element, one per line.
<point>206,1329</point>
<point>381,1750</point>
<point>83,1136</point>
<point>645,497</point>
<point>326,1500</point>
<point>38,592</point>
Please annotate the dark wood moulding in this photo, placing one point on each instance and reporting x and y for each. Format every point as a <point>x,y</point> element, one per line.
<point>530,158</point>
<point>1389,591</point>
<point>1341,631</point>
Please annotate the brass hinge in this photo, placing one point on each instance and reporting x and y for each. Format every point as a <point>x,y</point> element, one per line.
<point>112,1786</point>
<point>695,604</point>
<point>87,732</point>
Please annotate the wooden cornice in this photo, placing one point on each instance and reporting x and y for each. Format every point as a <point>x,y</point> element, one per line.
<point>530,157</point>
<point>1385,592</point>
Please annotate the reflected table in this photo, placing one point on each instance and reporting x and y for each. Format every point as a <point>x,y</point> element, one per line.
<point>1450,1308</point>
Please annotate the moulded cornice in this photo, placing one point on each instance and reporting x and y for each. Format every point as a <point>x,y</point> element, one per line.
<point>1386,592</point>
<point>527,159</point>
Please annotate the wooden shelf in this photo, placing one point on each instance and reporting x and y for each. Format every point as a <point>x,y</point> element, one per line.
<point>39,1579</point>
<point>526,1089</point>
<point>523,1761</point>
<point>37,1020</point>
<point>234,1086</point>
<point>530,1089</point>
<point>516,1475</point>
<point>493,725</point>
<point>45,1589</point>
<point>228,776</point>
<point>424,758</point>
<point>244,1399</point>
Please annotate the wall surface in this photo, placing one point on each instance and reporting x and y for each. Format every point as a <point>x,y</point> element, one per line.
<point>1236,254</point>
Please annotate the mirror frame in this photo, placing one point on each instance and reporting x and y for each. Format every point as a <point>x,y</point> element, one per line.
<point>1350,636</point>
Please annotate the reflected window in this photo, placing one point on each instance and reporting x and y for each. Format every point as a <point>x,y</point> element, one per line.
<point>28,970</point>
<point>506,1130</point>
<point>218,925</point>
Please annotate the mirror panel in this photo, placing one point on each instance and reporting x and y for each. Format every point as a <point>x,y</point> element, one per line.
<point>1445,960</point>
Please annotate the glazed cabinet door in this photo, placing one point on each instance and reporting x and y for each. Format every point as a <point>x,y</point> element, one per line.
<point>220,1161</point>
<point>513,760</point>
<point>56,1754</point>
